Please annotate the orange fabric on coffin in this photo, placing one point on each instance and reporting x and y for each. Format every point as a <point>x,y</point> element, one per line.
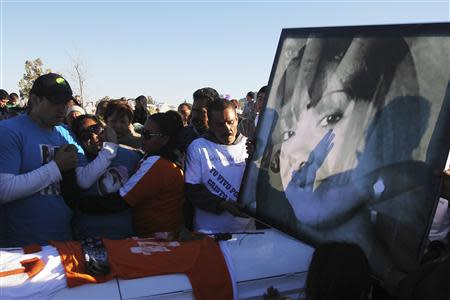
<point>30,266</point>
<point>202,261</point>
<point>74,264</point>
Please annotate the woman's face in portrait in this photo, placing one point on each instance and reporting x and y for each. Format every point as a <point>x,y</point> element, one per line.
<point>322,102</point>
<point>339,85</point>
<point>112,180</point>
<point>336,111</point>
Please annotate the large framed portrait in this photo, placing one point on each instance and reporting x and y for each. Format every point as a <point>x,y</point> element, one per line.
<point>353,139</point>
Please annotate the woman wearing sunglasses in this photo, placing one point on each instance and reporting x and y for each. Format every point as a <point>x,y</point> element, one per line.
<point>155,192</point>
<point>92,134</point>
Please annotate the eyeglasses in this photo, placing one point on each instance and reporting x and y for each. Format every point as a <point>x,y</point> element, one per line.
<point>148,134</point>
<point>86,134</point>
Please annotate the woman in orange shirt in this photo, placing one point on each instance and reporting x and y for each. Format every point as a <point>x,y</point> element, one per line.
<point>156,191</point>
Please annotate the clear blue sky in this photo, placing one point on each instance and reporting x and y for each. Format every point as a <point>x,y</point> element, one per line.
<point>168,49</point>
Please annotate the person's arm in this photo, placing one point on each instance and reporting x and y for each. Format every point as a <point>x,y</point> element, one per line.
<point>96,205</point>
<point>324,206</point>
<point>200,197</point>
<point>198,194</point>
<point>142,185</point>
<point>89,174</point>
<point>328,206</point>
<point>99,205</point>
<point>14,186</point>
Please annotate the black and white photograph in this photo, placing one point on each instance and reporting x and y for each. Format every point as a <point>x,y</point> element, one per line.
<point>353,138</point>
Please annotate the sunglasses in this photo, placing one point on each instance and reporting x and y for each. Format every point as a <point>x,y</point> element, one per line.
<point>148,134</point>
<point>86,134</point>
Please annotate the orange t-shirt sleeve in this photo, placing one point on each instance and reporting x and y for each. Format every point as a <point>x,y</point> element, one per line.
<point>146,182</point>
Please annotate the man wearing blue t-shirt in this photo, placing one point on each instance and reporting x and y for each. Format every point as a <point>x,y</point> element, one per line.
<point>34,151</point>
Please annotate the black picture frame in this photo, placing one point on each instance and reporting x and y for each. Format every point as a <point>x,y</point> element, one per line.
<point>393,70</point>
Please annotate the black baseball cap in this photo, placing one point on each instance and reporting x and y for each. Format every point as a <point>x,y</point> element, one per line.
<point>53,87</point>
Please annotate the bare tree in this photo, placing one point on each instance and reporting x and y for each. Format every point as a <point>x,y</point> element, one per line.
<point>150,100</point>
<point>79,75</point>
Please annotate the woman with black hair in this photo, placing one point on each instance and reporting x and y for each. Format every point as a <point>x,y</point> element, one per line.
<point>155,192</point>
<point>92,135</point>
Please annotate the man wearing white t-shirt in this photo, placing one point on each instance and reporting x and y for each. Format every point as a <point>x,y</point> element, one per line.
<point>215,164</point>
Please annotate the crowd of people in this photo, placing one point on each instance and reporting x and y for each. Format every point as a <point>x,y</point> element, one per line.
<point>66,174</point>
<point>69,175</point>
